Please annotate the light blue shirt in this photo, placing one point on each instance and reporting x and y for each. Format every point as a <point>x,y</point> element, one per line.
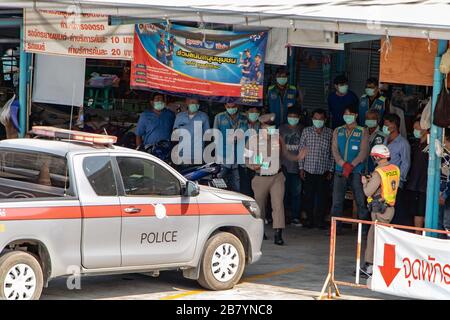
<point>183,121</point>
<point>400,155</point>
<point>224,122</point>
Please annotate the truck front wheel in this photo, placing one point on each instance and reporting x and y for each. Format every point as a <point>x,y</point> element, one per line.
<point>20,276</point>
<point>223,262</point>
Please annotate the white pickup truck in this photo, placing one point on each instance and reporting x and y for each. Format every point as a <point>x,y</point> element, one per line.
<point>74,200</point>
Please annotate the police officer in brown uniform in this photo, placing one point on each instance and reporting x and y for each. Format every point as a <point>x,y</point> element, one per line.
<point>263,152</point>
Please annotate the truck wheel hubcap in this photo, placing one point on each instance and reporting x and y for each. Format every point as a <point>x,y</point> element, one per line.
<point>225,262</point>
<point>20,283</point>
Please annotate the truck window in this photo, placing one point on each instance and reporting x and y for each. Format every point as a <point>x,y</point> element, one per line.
<point>143,177</point>
<point>26,174</point>
<point>100,174</point>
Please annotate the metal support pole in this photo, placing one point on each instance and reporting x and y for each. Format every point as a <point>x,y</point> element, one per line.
<point>291,65</point>
<point>434,165</point>
<point>23,73</point>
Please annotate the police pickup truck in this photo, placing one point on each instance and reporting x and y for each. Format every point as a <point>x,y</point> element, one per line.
<point>72,200</point>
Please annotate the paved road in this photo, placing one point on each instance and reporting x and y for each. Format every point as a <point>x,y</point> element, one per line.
<point>294,271</point>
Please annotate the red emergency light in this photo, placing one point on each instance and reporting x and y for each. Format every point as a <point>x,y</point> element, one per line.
<point>58,133</point>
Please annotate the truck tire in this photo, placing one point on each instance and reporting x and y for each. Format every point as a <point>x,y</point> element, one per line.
<point>223,262</point>
<point>20,276</point>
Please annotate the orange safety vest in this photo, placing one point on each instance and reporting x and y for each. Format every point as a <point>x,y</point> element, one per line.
<point>390,180</point>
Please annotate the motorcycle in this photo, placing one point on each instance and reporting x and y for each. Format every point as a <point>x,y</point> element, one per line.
<point>208,174</point>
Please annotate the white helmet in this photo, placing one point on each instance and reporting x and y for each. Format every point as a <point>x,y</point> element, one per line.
<point>380,151</point>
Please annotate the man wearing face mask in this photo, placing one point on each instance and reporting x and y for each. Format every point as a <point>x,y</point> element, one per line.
<point>400,156</point>
<point>350,143</point>
<point>263,157</point>
<point>316,168</point>
<point>381,189</point>
<point>376,136</point>
<point>416,185</point>
<point>339,99</point>
<point>154,125</point>
<point>371,100</point>
<point>290,134</point>
<point>232,126</point>
<point>282,96</point>
<point>196,122</point>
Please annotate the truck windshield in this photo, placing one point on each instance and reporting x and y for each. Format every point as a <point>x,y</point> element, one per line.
<point>25,174</point>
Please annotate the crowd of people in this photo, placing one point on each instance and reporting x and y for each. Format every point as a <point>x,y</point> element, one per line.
<point>329,151</point>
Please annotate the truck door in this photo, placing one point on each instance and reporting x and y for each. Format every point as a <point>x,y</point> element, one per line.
<point>101,227</point>
<point>159,225</point>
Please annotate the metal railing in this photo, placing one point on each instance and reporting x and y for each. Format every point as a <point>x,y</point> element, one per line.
<point>330,282</point>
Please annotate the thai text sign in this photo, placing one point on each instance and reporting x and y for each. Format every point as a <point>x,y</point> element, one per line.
<point>74,33</point>
<point>411,265</point>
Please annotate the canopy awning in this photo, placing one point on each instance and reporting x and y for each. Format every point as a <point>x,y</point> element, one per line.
<point>419,19</point>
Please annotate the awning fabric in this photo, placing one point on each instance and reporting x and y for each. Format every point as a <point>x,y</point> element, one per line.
<point>420,19</point>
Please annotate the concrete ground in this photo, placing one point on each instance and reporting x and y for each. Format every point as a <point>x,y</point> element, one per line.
<point>294,271</point>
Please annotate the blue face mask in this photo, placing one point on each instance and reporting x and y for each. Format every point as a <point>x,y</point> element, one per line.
<point>417,133</point>
<point>232,111</point>
<point>349,118</point>
<point>371,123</point>
<point>193,107</point>
<point>253,116</point>
<point>318,123</point>
<point>282,81</point>
<point>293,121</point>
<point>386,130</point>
<point>271,130</point>
<point>158,105</point>
<point>370,92</point>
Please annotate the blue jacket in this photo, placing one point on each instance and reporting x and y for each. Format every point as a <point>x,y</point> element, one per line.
<point>279,104</point>
<point>378,105</point>
<point>349,147</point>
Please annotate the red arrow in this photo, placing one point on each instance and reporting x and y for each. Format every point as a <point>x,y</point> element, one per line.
<point>388,270</point>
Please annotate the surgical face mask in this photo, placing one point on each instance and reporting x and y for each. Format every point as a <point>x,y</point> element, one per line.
<point>370,92</point>
<point>193,107</point>
<point>253,116</point>
<point>349,118</point>
<point>293,121</point>
<point>282,81</point>
<point>318,123</point>
<point>386,130</point>
<point>371,123</point>
<point>232,111</point>
<point>158,105</point>
<point>417,133</point>
<point>343,89</point>
<point>271,130</point>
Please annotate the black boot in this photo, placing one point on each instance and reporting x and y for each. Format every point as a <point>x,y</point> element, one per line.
<point>277,238</point>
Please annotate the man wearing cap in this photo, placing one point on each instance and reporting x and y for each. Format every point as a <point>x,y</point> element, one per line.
<point>232,126</point>
<point>381,190</point>
<point>282,96</point>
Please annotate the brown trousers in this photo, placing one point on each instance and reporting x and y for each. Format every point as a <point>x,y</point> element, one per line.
<point>385,217</point>
<point>274,185</point>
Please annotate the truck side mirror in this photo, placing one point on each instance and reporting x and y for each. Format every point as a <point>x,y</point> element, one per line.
<point>192,189</point>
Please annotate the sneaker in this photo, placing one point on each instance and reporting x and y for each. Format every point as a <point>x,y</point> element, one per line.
<point>296,222</point>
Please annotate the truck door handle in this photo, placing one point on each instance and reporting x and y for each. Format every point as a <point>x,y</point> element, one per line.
<point>132,210</point>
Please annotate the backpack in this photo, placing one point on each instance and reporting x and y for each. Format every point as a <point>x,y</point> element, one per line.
<point>442,111</point>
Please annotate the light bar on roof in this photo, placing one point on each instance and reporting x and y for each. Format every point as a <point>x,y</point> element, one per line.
<point>53,132</point>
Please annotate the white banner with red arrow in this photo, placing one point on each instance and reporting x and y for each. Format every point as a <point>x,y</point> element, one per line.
<point>410,265</point>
